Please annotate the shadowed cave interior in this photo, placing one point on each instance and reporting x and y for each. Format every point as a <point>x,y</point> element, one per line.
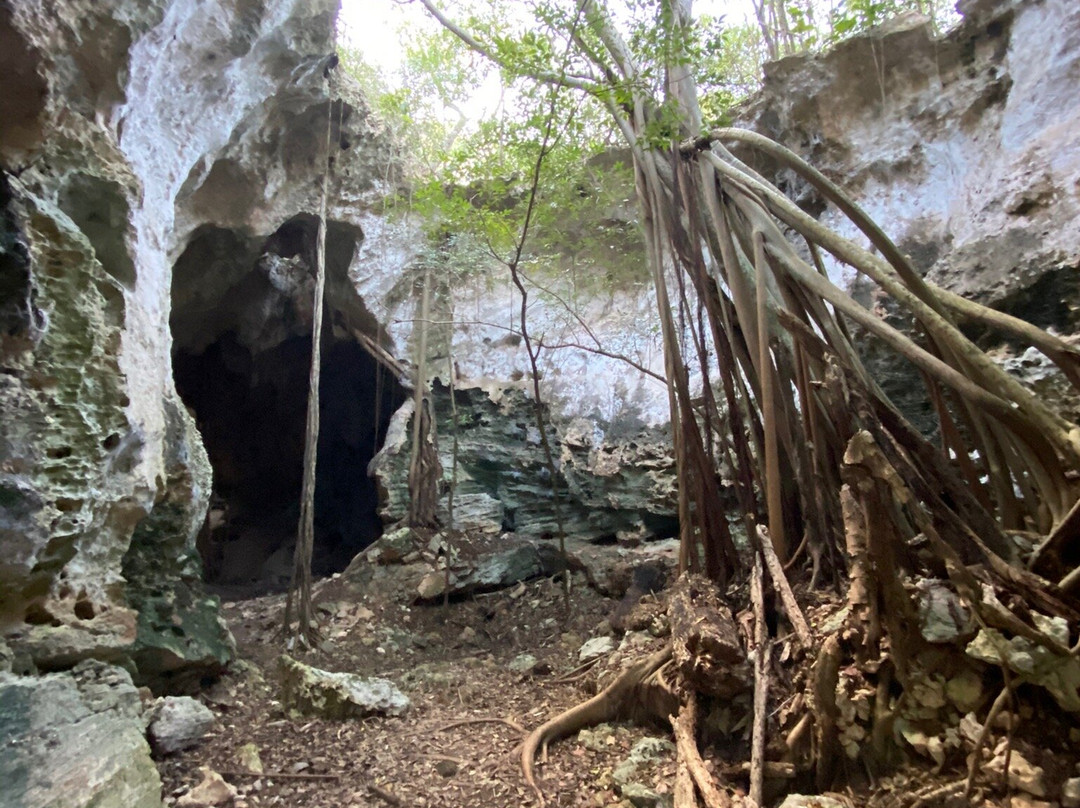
<point>250,405</point>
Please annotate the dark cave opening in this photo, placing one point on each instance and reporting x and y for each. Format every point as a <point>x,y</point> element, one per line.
<point>241,325</point>
<point>251,411</point>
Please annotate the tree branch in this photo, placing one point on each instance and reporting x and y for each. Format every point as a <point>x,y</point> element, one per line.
<point>545,77</point>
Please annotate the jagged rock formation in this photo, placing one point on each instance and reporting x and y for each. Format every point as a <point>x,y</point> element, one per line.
<point>963,148</point>
<point>161,172</point>
<point>622,489</point>
<point>966,150</point>
<point>84,385</point>
<point>135,132</point>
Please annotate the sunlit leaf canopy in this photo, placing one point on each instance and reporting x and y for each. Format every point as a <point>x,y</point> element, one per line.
<point>473,124</point>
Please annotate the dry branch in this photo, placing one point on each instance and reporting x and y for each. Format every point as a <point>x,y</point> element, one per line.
<point>826,734</point>
<point>762,652</point>
<point>384,795</point>
<point>773,769</point>
<point>685,728</point>
<point>783,587</point>
<point>684,794</point>
<point>281,775</point>
<point>466,722</point>
<point>379,353</point>
<point>984,733</point>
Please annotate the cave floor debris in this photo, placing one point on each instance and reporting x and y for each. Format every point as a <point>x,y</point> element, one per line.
<point>455,746</point>
<point>479,672</point>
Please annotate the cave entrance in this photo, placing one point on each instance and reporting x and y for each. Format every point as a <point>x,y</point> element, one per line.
<point>242,368</point>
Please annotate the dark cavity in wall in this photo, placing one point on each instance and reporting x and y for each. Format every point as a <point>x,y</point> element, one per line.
<point>19,318</point>
<point>241,362</point>
<point>25,91</point>
<point>1051,302</point>
<point>250,409</point>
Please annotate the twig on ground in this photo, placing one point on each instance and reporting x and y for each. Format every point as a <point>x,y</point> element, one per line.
<point>932,796</point>
<point>774,769</point>
<point>282,775</point>
<point>577,672</point>
<point>783,588</point>
<point>995,708</point>
<point>464,722</point>
<point>447,758</point>
<point>384,795</point>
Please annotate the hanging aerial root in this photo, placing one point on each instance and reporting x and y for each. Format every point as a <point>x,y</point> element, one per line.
<point>1064,355</point>
<point>1048,555</point>
<point>762,653</point>
<point>637,687</point>
<point>826,712</point>
<point>300,586</point>
<point>863,450</point>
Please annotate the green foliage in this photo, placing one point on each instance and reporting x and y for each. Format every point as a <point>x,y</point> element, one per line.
<point>470,178</point>
<point>855,16</point>
<point>814,25</point>
<point>730,71</point>
<point>421,103</point>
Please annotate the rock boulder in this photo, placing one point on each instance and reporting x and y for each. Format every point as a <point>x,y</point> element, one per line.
<point>311,691</point>
<point>178,722</point>
<point>74,740</point>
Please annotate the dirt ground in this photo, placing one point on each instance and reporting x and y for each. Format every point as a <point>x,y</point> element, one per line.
<point>457,744</point>
<point>472,695</point>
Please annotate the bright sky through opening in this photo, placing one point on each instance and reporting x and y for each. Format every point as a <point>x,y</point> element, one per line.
<point>372,25</point>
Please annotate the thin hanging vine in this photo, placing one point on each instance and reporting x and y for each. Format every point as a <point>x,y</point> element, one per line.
<point>300,586</point>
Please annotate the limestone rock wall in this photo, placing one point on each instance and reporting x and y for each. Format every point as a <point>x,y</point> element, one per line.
<point>127,128</point>
<point>80,458</point>
<point>966,150</point>
<point>159,156</point>
<point>75,739</point>
<point>609,489</point>
<point>963,148</point>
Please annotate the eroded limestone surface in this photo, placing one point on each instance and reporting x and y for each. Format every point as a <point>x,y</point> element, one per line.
<point>162,167</point>
<point>608,489</point>
<point>965,150</point>
<point>119,114</point>
<point>75,739</point>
